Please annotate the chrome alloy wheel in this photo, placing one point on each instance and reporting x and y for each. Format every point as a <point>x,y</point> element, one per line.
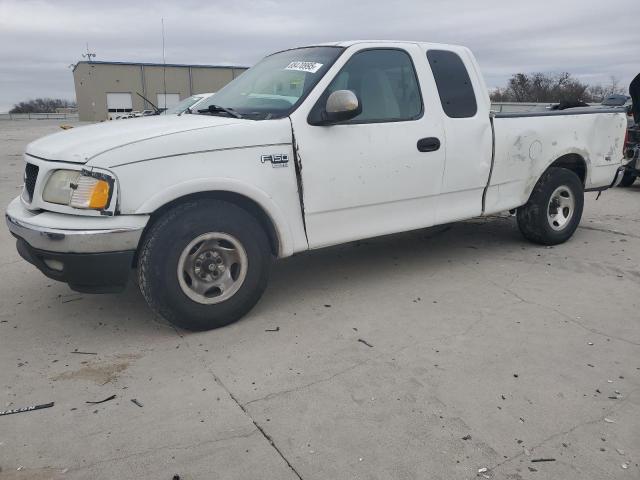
<point>561,208</point>
<point>212,268</point>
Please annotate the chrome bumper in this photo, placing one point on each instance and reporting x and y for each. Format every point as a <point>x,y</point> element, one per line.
<point>57,232</point>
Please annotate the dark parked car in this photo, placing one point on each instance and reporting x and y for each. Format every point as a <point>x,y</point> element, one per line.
<point>632,143</point>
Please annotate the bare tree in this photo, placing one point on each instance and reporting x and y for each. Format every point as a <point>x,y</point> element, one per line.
<point>544,88</point>
<point>41,105</point>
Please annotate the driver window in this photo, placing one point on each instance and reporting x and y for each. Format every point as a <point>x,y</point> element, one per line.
<point>385,83</point>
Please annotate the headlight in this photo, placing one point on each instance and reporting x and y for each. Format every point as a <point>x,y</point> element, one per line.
<point>76,189</point>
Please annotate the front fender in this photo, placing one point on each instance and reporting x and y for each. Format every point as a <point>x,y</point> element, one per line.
<point>147,185</point>
<point>230,185</point>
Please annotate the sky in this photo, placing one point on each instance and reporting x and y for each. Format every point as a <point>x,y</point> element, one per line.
<point>39,40</point>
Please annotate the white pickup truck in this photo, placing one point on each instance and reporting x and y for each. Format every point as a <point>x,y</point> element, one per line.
<point>311,147</point>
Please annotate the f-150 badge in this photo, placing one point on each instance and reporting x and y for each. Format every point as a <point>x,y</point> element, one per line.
<point>276,159</point>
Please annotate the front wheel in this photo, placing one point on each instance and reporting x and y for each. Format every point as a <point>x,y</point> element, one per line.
<point>554,209</point>
<point>204,264</point>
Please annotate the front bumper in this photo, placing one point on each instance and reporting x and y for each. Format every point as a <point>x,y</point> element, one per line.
<point>91,254</point>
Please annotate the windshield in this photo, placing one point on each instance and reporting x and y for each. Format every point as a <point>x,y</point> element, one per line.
<point>182,105</point>
<point>274,87</point>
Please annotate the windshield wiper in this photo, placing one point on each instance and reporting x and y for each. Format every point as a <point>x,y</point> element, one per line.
<point>217,109</point>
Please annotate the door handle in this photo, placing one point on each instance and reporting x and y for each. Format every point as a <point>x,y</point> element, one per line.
<point>429,144</point>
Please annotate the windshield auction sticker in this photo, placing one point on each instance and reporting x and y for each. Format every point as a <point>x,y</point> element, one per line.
<point>311,67</point>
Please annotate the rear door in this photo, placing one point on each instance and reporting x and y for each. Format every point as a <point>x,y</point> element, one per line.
<point>465,112</point>
<point>380,172</point>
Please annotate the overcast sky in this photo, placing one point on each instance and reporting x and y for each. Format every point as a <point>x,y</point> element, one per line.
<point>592,39</point>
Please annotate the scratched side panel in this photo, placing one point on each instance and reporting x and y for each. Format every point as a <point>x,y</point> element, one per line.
<point>526,146</point>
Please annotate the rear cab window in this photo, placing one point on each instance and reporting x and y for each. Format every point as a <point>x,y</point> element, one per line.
<point>454,85</point>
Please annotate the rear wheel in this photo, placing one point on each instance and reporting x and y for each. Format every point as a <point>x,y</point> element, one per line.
<point>554,209</point>
<point>204,264</point>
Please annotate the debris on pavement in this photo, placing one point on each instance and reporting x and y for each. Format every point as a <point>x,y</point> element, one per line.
<point>365,342</point>
<point>483,469</point>
<point>84,353</point>
<point>467,437</point>
<point>27,409</point>
<point>137,402</point>
<point>536,460</point>
<point>101,401</point>
<point>608,420</point>
<point>277,329</point>
<point>620,451</point>
<point>533,469</point>
<point>71,300</point>
<point>625,465</point>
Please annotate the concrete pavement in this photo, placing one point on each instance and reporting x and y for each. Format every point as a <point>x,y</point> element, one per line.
<point>431,354</point>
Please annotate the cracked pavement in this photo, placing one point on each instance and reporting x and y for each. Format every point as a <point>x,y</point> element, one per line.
<point>487,352</point>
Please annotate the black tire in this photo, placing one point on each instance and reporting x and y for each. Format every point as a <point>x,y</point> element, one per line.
<point>171,234</point>
<point>627,179</point>
<point>532,218</point>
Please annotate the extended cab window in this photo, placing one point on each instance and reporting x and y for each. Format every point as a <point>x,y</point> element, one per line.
<point>385,83</point>
<point>453,82</point>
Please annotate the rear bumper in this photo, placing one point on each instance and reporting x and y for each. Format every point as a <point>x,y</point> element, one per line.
<point>618,177</point>
<point>633,157</point>
<point>91,254</point>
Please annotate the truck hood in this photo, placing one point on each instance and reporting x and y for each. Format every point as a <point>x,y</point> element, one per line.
<point>81,144</point>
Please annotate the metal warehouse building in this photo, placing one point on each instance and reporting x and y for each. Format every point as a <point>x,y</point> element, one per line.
<point>110,87</point>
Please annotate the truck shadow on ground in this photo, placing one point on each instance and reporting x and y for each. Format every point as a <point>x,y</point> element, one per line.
<point>431,251</point>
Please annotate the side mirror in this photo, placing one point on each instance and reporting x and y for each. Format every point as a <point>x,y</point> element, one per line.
<point>341,105</point>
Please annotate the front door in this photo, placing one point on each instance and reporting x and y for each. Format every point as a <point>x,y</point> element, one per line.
<point>380,172</point>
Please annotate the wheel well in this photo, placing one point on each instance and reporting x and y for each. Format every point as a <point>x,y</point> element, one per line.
<point>573,162</point>
<point>240,200</point>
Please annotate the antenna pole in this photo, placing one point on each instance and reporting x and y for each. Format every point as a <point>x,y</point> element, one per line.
<point>89,54</point>
<point>164,66</point>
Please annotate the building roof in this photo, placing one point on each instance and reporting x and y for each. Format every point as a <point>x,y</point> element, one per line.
<point>150,64</point>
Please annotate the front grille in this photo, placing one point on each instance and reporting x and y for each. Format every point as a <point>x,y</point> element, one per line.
<point>30,177</point>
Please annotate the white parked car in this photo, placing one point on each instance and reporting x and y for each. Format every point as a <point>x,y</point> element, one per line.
<point>189,103</point>
<point>311,147</point>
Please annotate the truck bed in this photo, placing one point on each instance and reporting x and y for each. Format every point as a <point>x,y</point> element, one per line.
<point>525,145</point>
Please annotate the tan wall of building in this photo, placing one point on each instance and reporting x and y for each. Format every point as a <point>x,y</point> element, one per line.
<point>94,80</point>
<point>203,80</point>
<point>177,82</point>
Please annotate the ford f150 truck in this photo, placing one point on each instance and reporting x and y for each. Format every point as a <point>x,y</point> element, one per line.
<point>311,147</point>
